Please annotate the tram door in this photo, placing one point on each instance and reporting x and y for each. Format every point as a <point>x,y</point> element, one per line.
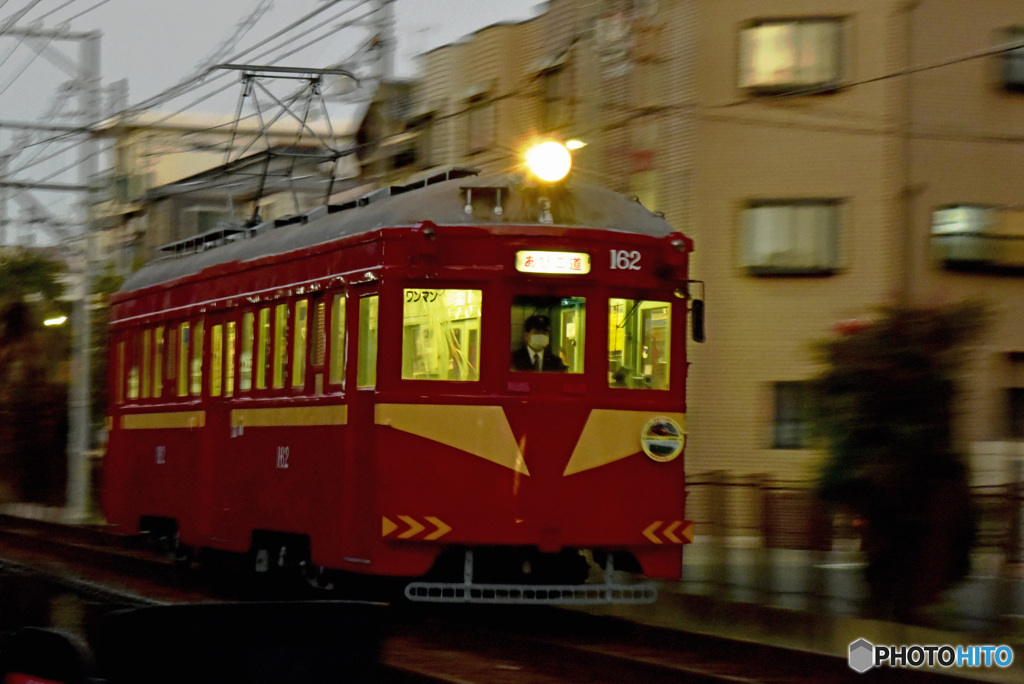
<point>360,448</point>
<point>570,331</point>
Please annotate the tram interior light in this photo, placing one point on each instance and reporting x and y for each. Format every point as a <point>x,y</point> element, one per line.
<point>550,161</point>
<point>57,320</point>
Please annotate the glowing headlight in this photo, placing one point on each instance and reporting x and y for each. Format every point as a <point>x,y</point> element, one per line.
<point>549,161</point>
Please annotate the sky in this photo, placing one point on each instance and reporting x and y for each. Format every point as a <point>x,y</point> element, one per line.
<point>156,45</point>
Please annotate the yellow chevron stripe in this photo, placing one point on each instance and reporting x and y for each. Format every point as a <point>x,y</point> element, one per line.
<point>611,435</point>
<point>479,430</point>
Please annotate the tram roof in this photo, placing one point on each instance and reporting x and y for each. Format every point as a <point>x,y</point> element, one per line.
<point>441,199</point>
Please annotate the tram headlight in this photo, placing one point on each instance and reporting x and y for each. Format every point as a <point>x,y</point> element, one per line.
<point>550,161</point>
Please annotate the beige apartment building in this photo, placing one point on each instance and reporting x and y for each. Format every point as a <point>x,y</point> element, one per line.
<point>175,177</point>
<point>827,156</point>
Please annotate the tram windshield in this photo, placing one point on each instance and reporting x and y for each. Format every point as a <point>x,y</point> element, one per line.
<point>441,334</point>
<point>548,334</point>
<point>638,343</point>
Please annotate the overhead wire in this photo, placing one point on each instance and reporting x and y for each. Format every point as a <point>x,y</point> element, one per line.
<point>56,9</point>
<point>99,4</point>
<point>167,94</point>
<point>25,65</point>
<point>282,32</point>
<point>17,16</point>
<point>201,75</point>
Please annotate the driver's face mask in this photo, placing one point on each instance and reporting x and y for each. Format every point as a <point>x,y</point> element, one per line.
<point>539,341</point>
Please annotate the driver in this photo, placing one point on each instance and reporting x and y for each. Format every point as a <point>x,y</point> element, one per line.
<point>535,354</point>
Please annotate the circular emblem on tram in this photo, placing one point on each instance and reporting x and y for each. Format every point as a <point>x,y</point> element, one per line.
<point>662,439</point>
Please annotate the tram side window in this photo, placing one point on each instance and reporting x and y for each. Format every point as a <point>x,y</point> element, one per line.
<point>263,348</point>
<point>197,359</point>
<point>133,371</point>
<point>639,340</point>
<point>318,341</point>
<point>216,360</point>
<point>280,344</point>
<point>338,349</point>
<point>120,373</point>
<point>171,367</point>
<point>229,359</point>
<point>441,335</point>
<point>158,362</point>
<point>548,333</point>
<point>184,340</point>
<point>299,344</point>
<point>245,359</point>
<point>366,373</point>
<point>147,346</point>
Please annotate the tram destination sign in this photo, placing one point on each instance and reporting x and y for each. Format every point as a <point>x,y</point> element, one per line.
<point>534,261</point>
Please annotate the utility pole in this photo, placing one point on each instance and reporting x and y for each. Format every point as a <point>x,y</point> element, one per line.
<point>4,222</point>
<point>86,73</point>
<point>79,404</point>
<point>386,36</point>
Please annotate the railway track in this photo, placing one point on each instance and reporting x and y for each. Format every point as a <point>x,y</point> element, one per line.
<point>493,644</point>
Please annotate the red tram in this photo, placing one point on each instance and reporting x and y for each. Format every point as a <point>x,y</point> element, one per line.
<point>335,390</point>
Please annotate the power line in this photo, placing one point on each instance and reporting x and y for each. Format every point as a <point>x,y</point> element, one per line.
<point>176,90</point>
<point>17,16</point>
<point>99,4</point>
<point>25,66</point>
<point>56,9</point>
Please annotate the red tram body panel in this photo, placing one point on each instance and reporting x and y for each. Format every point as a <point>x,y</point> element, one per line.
<point>346,379</point>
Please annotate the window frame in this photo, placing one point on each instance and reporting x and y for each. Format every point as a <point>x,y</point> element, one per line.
<point>463,286</point>
<point>671,326</point>
<point>573,290</point>
<point>795,430</point>
<point>795,85</point>
<point>336,355</point>
<point>823,264</point>
<point>367,374</point>
<point>1012,60</point>
<point>481,123</point>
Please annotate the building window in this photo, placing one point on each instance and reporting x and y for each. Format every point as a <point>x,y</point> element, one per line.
<point>554,100</point>
<point>211,219</point>
<point>422,127</point>
<point>1013,60</point>
<point>780,56</point>
<point>441,334</point>
<point>798,237</point>
<point>479,124</point>
<point>794,414</point>
<point>975,237</point>
<point>1015,413</point>
<point>962,234</point>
